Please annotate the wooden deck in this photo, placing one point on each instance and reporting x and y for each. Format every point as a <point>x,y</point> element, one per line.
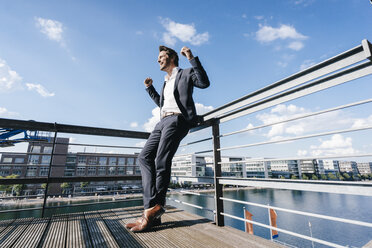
<point>106,229</point>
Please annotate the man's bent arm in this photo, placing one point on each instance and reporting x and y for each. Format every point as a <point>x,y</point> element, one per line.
<point>153,94</point>
<point>199,76</point>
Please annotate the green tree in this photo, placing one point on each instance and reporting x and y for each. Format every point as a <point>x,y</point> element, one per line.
<point>294,177</point>
<point>84,184</point>
<point>323,177</point>
<point>314,177</point>
<point>304,177</point>
<point>43,186</point>
<point>331,176</point>
<point>346,176</point>
<point>65,186</point>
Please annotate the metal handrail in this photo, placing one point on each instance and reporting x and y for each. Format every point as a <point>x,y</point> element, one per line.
<point>285,231</point>
<point>298,138</point>
<point>299,117</point>
<point>321,216</point>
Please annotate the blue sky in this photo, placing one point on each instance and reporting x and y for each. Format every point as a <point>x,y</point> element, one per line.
<point>84,62</point>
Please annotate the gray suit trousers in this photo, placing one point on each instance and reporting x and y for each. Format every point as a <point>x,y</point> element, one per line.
<point>156,158</point>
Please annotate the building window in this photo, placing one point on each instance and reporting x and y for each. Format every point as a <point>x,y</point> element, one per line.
<point>102,161</point>
<point>71,160</point>
<point>48,149</point>
<point>130,170</point>
<point>4,173</point>
<point>7,160</point>
<point>112,170</point>
<point>33,159</point>
<point>82,160</point>
<point>102,171</point>
<point>31,171</point>
<point>138,170</point>
<point>19,160</point>
<point>130,161</point>
<point>112,161</point>
<point>92,161</point>
<point>81,171</point>
<point>92,171</point>
<point>17,172</point>
<point>35,149</point>
<point>121,161</point>
<point>121,170</point>
<point>43,172</point>
<point>45,159</point>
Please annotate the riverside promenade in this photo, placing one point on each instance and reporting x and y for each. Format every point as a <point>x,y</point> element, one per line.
<point>106,229</point>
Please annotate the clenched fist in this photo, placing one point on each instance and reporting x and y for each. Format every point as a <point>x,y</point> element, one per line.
<point>185,51</point>
<point>148,82</point>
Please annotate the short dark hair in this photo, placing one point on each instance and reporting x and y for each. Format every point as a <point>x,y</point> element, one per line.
<point>171,53</point>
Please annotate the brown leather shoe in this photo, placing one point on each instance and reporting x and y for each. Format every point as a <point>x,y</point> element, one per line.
<point>148,217</point>
<point>155,222</point>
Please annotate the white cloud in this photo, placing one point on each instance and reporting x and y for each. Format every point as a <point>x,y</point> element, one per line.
<point>306,64</point>
<point>358,123</point>
<point>296,45</point>
<point>133,124</point>
<point>268,33</point>
<point>336,145</point>
<point>4,113</point>
<point>201,109</point>
<point>301,153</point>
<point>183,32</point>
<point>336,141</point>
<point>313,124</point>
<point>139,32</point>
<point>153,120</point>
<point>258,17</point>
<point>39,89</point>
<point>51,28</point>
<point>9,79</point>
<point>282,64</point>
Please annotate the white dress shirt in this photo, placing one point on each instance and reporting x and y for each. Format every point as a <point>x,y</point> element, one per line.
<point>170,104</point>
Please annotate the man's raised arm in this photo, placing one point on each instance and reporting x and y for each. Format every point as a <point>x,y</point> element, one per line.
<point>199,76</point>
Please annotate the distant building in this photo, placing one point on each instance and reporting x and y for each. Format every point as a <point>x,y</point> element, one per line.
<point>258,169</point>
<point>285,168</point>
<point>348,167</point>
<point>35,164</point>
<point>188,165</point>
<point>365,168</point>
<point>229,169</point>
<point>331,166</point>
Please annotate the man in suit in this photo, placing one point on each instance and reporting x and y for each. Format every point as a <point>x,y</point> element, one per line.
<point>178,114</point>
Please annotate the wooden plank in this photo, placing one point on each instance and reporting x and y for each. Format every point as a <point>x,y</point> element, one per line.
<point>77,232</point>
<point>151,239</point>
<point>4,224</point>
<point>56,233</point>
<point>99,233</point>
<point>123,237</point>
<point>33,234</point>
<point>13,232</point>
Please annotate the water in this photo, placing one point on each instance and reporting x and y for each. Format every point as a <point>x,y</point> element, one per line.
<point>337,205</point>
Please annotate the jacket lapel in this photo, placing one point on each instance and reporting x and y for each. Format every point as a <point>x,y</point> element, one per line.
<point>178,77</point>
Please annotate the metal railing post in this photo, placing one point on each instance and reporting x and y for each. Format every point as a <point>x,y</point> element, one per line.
<point>217,173</point>
<point>49,171</point>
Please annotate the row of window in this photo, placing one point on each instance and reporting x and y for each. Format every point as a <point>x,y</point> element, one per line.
<point>37,149</point>
<point>83,160</point>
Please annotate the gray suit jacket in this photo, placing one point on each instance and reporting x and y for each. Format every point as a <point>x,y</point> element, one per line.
<point>183,88</point>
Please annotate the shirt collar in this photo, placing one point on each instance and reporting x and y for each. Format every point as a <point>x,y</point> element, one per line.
<point>174,73</point>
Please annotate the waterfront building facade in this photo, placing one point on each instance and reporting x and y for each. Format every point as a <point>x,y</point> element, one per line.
<point>36,161</point>
<point>285,168</point>
<point>258,169</point>
<point>331,166</point>
<point>365,168</point>
<point>348,167</point>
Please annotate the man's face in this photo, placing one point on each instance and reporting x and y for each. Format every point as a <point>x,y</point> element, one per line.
<point>164,60</point>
